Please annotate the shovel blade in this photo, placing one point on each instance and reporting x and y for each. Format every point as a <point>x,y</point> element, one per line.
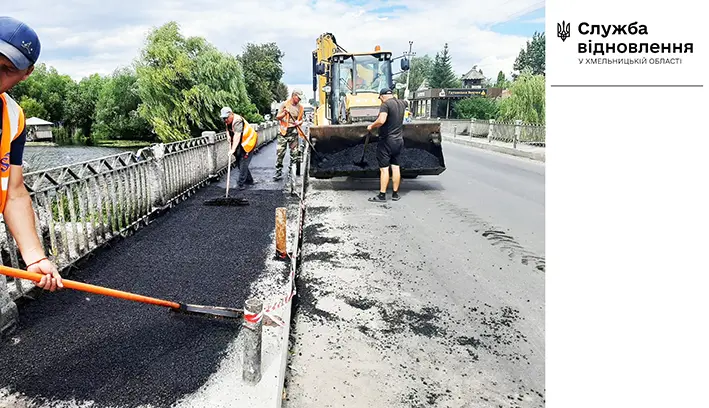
<point>213,311</point>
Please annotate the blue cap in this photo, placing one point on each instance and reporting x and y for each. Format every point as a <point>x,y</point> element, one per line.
<point>18,42</point>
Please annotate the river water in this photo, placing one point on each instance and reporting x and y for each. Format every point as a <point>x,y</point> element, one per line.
<point>44,157</point>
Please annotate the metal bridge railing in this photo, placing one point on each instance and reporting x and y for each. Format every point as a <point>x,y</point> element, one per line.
<point>514,132</point>
<point>82,206</point>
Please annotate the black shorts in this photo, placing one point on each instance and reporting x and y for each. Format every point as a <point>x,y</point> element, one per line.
<point>388,152</point>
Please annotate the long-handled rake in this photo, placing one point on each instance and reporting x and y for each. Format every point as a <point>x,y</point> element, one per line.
<point>227,201</point>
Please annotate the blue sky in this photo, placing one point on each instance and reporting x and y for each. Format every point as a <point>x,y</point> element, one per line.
<point>81,39</point>
<point>524,25</point>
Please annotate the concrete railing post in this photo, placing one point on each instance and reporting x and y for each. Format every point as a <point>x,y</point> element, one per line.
<point>8,310</point>
<point>490,130</point>
<point>253,323</point>
<point>518,132</point>
<point>472,127</point>
<point>157,175</point>
<point>211,151</point>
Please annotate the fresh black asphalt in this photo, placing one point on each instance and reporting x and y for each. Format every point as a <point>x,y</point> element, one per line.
<point>76,345</point>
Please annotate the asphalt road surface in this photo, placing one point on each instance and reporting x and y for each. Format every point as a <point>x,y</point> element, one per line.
<point>74,349</point>
<point>436,300</point>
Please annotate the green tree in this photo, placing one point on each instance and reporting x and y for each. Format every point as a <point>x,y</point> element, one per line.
<point>33,108</point>
<point>527,101</point>
<point>81,106</point>
<point>533,57</point>
<point>420,69</point>
<point>263,72</point>
<point>442,74</point>
<point>281,92</point>
<point>116,115</point>
<point>477,107</point>
<point>183,82</point>
<point>47,87</point>
<point>502,81</point>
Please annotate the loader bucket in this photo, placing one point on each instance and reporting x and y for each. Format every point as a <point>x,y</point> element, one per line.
<point>339,148</point>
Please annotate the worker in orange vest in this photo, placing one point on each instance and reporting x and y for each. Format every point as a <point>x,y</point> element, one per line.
<point>19,51</point>
<point>242,141</point>
<point>290,117</point>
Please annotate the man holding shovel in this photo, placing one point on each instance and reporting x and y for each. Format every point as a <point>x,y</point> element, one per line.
<point>391,142</point>
<point>290,117</point>
<point>19,51</point>
<point>242,140</point>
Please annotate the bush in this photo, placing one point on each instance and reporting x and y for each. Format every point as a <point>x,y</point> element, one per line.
<point>476,107</point>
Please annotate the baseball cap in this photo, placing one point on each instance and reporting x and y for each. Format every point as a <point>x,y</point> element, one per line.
<point>225,112</point>
<point>18,42</point>
<point>299,92</point>
<point>385,91</point>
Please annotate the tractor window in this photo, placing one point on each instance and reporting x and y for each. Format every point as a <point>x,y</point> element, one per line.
<point>370,74</point>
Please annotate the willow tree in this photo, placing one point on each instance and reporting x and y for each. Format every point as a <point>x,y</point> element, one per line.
<point>527,101</point>
<point>184,82</point>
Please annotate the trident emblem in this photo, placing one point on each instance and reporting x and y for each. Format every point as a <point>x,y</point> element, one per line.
<point>563,30</point>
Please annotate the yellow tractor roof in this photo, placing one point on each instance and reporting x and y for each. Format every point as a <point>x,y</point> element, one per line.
<point>360,54</point>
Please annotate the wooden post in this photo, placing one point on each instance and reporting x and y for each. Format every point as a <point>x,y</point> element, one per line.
<point>281,250</point>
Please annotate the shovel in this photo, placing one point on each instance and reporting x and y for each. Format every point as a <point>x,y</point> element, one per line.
<point>99,290</point>
<point>318,157</point>
<point>362,162</point>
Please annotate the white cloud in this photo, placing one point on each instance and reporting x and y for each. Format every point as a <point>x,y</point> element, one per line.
<point>80,38</point>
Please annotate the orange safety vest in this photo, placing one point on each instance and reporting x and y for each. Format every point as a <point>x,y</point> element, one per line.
<point>283,123</point>
<point>13,123</point>
<point>249,137</point>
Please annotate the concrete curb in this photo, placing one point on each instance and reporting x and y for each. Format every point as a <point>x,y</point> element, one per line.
<point>496,148</point>
<point>296,245</point>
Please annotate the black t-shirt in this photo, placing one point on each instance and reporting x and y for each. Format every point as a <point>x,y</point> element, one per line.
<point>393,127</point>
<point>17,148</point>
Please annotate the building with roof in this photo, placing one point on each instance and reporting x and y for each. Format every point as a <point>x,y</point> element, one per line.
<point>437,102</point>
<point>473,78</point>
<point>39,130</point>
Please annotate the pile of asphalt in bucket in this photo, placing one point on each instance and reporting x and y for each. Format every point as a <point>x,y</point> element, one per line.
<point>345,159</point>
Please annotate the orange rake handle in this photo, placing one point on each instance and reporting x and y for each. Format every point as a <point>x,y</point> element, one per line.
<point>85,287</point>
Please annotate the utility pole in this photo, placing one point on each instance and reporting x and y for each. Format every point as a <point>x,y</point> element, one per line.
<point>408,74</point>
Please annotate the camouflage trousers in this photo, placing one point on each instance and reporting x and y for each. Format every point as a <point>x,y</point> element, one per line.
<point>290,140</point>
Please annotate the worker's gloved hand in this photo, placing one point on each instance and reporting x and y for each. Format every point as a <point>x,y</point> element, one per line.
<point>51,280</point>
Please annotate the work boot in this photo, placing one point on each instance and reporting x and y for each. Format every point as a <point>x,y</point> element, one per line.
<point>278,176</point>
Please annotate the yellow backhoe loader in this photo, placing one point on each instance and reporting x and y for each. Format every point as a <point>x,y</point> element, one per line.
<point>346,86</point>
